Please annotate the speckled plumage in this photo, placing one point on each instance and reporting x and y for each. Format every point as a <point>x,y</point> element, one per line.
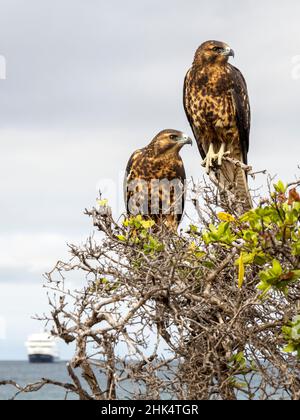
<point>146,172</point>
<point>217,107</point>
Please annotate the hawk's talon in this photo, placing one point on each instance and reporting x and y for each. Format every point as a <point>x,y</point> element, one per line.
<point>208,162</point>
<point>214,160</point>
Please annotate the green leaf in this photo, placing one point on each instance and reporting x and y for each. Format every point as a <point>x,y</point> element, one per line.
<point>287,331</point>
<point>126,223</point>
<point>280,187</point>
<point>265,288</point>
<point>240,385</point>
<point>277,270</point>
<point>147,224</point>
<point>153,245</point>
<point>296,206</point>
<point>193,229</point>
<point>296,274</point>
<point>199,255</point>
<point>208,264</point>
<point>290,348</point>
<point>241,272</point>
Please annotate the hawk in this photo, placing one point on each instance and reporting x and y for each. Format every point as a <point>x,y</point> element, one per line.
<point>217,106</point>
<point>155,180</point>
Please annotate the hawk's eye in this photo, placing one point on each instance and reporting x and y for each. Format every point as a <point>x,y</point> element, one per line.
<point>217,49</point>
<point>173,137</point>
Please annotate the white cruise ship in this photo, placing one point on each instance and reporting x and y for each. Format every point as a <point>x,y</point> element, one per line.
<point>42,348</point>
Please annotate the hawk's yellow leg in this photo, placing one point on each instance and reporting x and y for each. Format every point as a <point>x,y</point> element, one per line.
<point>213,159</point>
<point>221,154</point>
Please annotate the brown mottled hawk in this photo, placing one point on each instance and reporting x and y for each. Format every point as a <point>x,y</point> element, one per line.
<point>217,106</point>
<point>155,180</point>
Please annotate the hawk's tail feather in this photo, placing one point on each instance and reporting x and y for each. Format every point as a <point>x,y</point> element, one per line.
<point>234,179</point>
<point>242,187</point>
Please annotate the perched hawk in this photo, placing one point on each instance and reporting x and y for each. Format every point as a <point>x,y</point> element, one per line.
<point>155,180</point>
<point>217,106</point>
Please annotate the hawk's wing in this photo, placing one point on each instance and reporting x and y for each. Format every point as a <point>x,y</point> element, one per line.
<point>181,175</point>
<point>128,175</point>
<point>242,109</point>
<point>189,117</point>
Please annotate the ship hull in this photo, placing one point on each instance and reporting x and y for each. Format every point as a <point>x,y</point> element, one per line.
<point>41,358</point>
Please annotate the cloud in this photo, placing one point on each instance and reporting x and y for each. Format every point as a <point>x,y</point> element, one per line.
<point>30,253</point>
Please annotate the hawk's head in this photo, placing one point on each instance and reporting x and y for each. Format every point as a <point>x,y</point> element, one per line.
<point>214,52</point>
<point>170,141</point>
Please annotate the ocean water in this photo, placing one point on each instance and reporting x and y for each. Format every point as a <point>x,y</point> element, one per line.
<point>24,373</point>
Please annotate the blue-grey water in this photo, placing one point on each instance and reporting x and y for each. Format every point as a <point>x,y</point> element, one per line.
<point>24,373</point>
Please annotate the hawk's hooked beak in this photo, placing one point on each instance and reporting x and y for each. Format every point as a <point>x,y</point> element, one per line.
<point>231,53</point>
<point>228,52</point>
<point>185,139</point>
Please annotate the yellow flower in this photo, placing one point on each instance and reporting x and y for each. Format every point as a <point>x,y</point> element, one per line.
<point>147,224</point>
<point>225,217</point>
<point>102,203</point>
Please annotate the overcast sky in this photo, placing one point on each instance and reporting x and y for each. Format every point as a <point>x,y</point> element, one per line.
<point>88,82</point>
